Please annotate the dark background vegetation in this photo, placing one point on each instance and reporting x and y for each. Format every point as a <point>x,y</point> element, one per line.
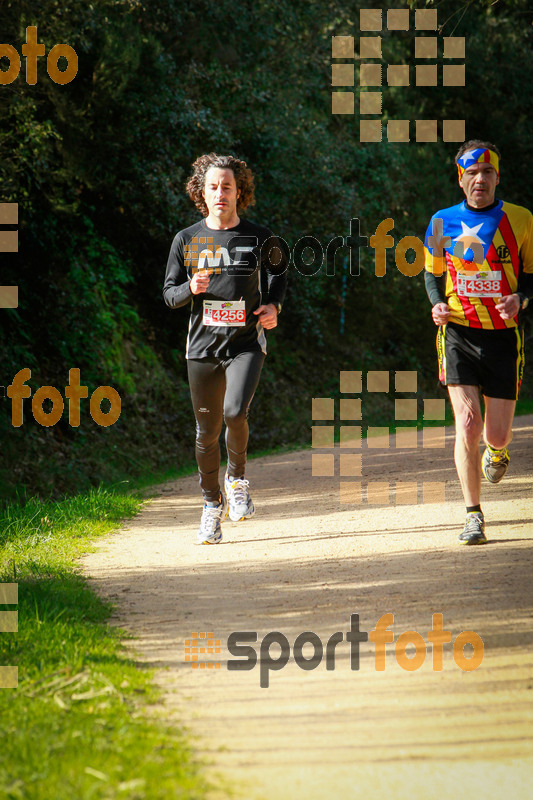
<point>98,168</point>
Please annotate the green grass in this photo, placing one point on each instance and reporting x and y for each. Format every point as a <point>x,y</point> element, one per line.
<point>75,728</point>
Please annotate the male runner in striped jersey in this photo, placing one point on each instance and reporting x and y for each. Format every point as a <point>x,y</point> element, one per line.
<point>215,267</point>
<point>479,274</point>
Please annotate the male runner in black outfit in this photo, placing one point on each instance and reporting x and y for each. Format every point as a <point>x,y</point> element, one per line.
<point>215,267</point>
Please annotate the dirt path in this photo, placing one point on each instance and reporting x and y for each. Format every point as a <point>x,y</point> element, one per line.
<point>306,562</point>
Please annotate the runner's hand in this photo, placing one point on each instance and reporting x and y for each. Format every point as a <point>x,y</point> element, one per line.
<point>509,306</point>
<point>440,313</point>
<point>268,316</point>
<point>199,282</point>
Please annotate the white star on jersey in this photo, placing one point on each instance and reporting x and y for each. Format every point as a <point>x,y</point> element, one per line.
<point>469,240</point>
<point>469,235</point>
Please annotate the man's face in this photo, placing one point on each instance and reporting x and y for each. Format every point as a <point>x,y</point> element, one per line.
<point>220,193</point>
<point>479,183</point>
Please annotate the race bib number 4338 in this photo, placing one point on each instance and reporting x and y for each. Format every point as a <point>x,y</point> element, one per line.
<point>224,313</point>
<point>479,284</point>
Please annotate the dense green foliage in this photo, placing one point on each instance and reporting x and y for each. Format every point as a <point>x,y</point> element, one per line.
<point>98,168</point>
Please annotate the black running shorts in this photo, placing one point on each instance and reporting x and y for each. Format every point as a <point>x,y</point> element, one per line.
<point>491,360</point>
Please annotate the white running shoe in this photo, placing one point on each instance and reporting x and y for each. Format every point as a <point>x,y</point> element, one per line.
<point>240,502</point>
<point>210,531</point>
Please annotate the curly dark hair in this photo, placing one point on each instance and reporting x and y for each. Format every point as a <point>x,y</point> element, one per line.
<point>243,178</point>
<point>474,144</point>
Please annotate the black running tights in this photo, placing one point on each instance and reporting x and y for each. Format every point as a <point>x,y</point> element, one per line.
<point>222,389</point>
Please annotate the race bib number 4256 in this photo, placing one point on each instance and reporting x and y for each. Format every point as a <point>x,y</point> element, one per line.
<point>224,313</point>
<point>479,284</point>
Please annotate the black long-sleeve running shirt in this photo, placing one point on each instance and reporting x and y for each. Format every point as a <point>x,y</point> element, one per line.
<point>235,259</point>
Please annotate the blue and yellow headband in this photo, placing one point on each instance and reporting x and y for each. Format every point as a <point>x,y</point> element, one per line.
<point>479,156</point>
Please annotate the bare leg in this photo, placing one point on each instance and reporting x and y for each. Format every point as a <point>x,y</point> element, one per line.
<point>468,430</point>
<point>499,415</point>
